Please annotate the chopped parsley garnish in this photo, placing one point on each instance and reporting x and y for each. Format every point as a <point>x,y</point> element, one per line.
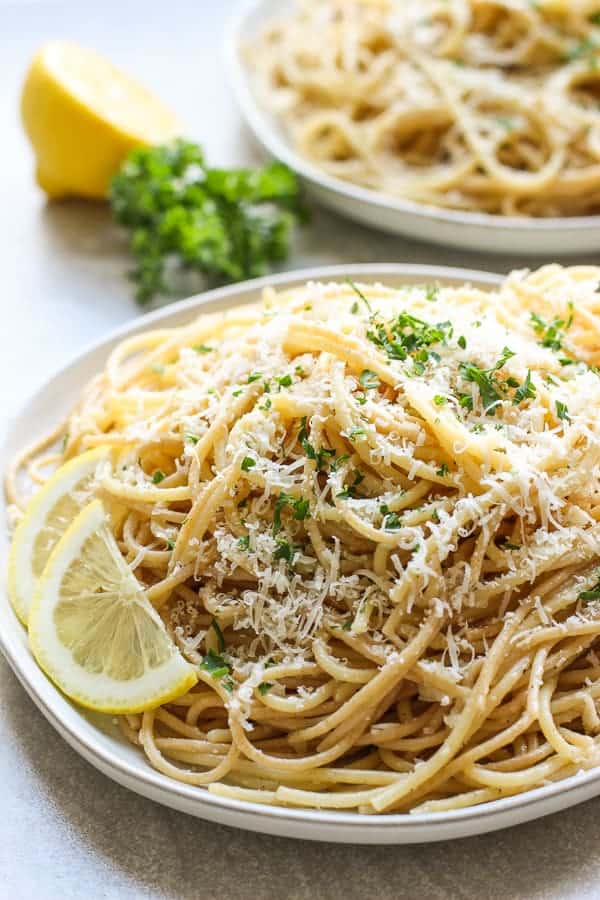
<point>506,545</point>
<point>65,441</point>
<point>360,296</point>
<point>462,342</point>
<point>592,594</point>
<point>248,463</point>
<point>552,333</point>
<point>300,507</point>
<point>439,400</point>
<point>443,470</point>
<point>318,455</point>
<point>265,687</point>
<point>356,433</point>
<point>192,438</point>
<point>254,376</point>
<point>338,462</point>
<point>284,550</point>
<point>562,411</point>
<point>525,391</point>
<point>350,490</point>
<point>215,665</point>
<point>392,521</point>
<point>486,382</point>
<point>171,545</point>
<point>202,348</point>
<point>284,380</point>
<point>220,637</point>
<point>431,292</point>
<point>158,477</point>
<point>244,542</point>
<point>369,380</point>
<point>407,336</point>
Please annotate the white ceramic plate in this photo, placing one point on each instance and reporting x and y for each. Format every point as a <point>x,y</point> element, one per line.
<point>97,738</point>
<point>471,231</point>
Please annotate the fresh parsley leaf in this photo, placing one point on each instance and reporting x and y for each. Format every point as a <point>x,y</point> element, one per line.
<point>202,348</point>
<point>220,637</point>
<point>244,542</point>
<point>300,507</point>
<point>284,550</point>
<point>506,545</point>
<point>592,594</point>
<point>215,665</point>
<point>265,687</point>
<point>248,463</point>
<point>392,521</point>
<point>338,462</point>
<point>369,380</point>
<point>485,381</point>
<point>525,391</point>
<point>158,477</point>
<point>552,333</point>
<point>360,295</point>
<point>562,411</point>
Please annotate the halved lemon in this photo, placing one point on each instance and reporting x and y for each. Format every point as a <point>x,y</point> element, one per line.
<point>48,516</point>
<point>94,632</point>
<point>83,116</point>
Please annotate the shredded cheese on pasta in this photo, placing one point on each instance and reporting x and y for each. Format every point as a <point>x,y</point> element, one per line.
<point>371,517</point>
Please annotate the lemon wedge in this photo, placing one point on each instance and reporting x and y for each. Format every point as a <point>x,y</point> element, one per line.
<point>94,632</point>
<point>48,516</point>
<point>83,116</point>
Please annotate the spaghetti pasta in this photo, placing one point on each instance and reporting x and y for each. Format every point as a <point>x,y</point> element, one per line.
<point>370,517</point>
<point>480,105</point>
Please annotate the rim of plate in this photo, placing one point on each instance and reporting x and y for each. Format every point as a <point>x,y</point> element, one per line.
<point>87,738</point>
<point>261,123</point>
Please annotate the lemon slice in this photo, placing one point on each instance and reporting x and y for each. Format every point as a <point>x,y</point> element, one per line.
<point>83,116</point>
<point>94,632</point>
<point>48,516</point>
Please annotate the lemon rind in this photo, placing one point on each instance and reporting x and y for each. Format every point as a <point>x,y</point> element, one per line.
<point>96,692</point>
<point>19,560</point>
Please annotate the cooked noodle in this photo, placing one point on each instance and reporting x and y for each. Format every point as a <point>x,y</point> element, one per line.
<point>484,105</point>
<point>374,530</point>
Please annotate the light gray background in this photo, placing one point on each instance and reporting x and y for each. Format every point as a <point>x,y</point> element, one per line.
<point>65,830</point>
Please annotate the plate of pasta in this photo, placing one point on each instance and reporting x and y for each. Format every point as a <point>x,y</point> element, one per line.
<point>474,123</point>
<point>319,555</point>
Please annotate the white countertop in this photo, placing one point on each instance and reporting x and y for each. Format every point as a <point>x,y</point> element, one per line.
<point>65,830</point>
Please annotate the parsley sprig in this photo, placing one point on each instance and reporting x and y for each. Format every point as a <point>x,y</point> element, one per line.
<point>592,594</point>
<point>300,507</point>
<point>552,333</point>
<point>182,215</point>
<point>486,381</point>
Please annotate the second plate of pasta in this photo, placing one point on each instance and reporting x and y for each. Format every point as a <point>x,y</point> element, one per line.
<point>473,124</point>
